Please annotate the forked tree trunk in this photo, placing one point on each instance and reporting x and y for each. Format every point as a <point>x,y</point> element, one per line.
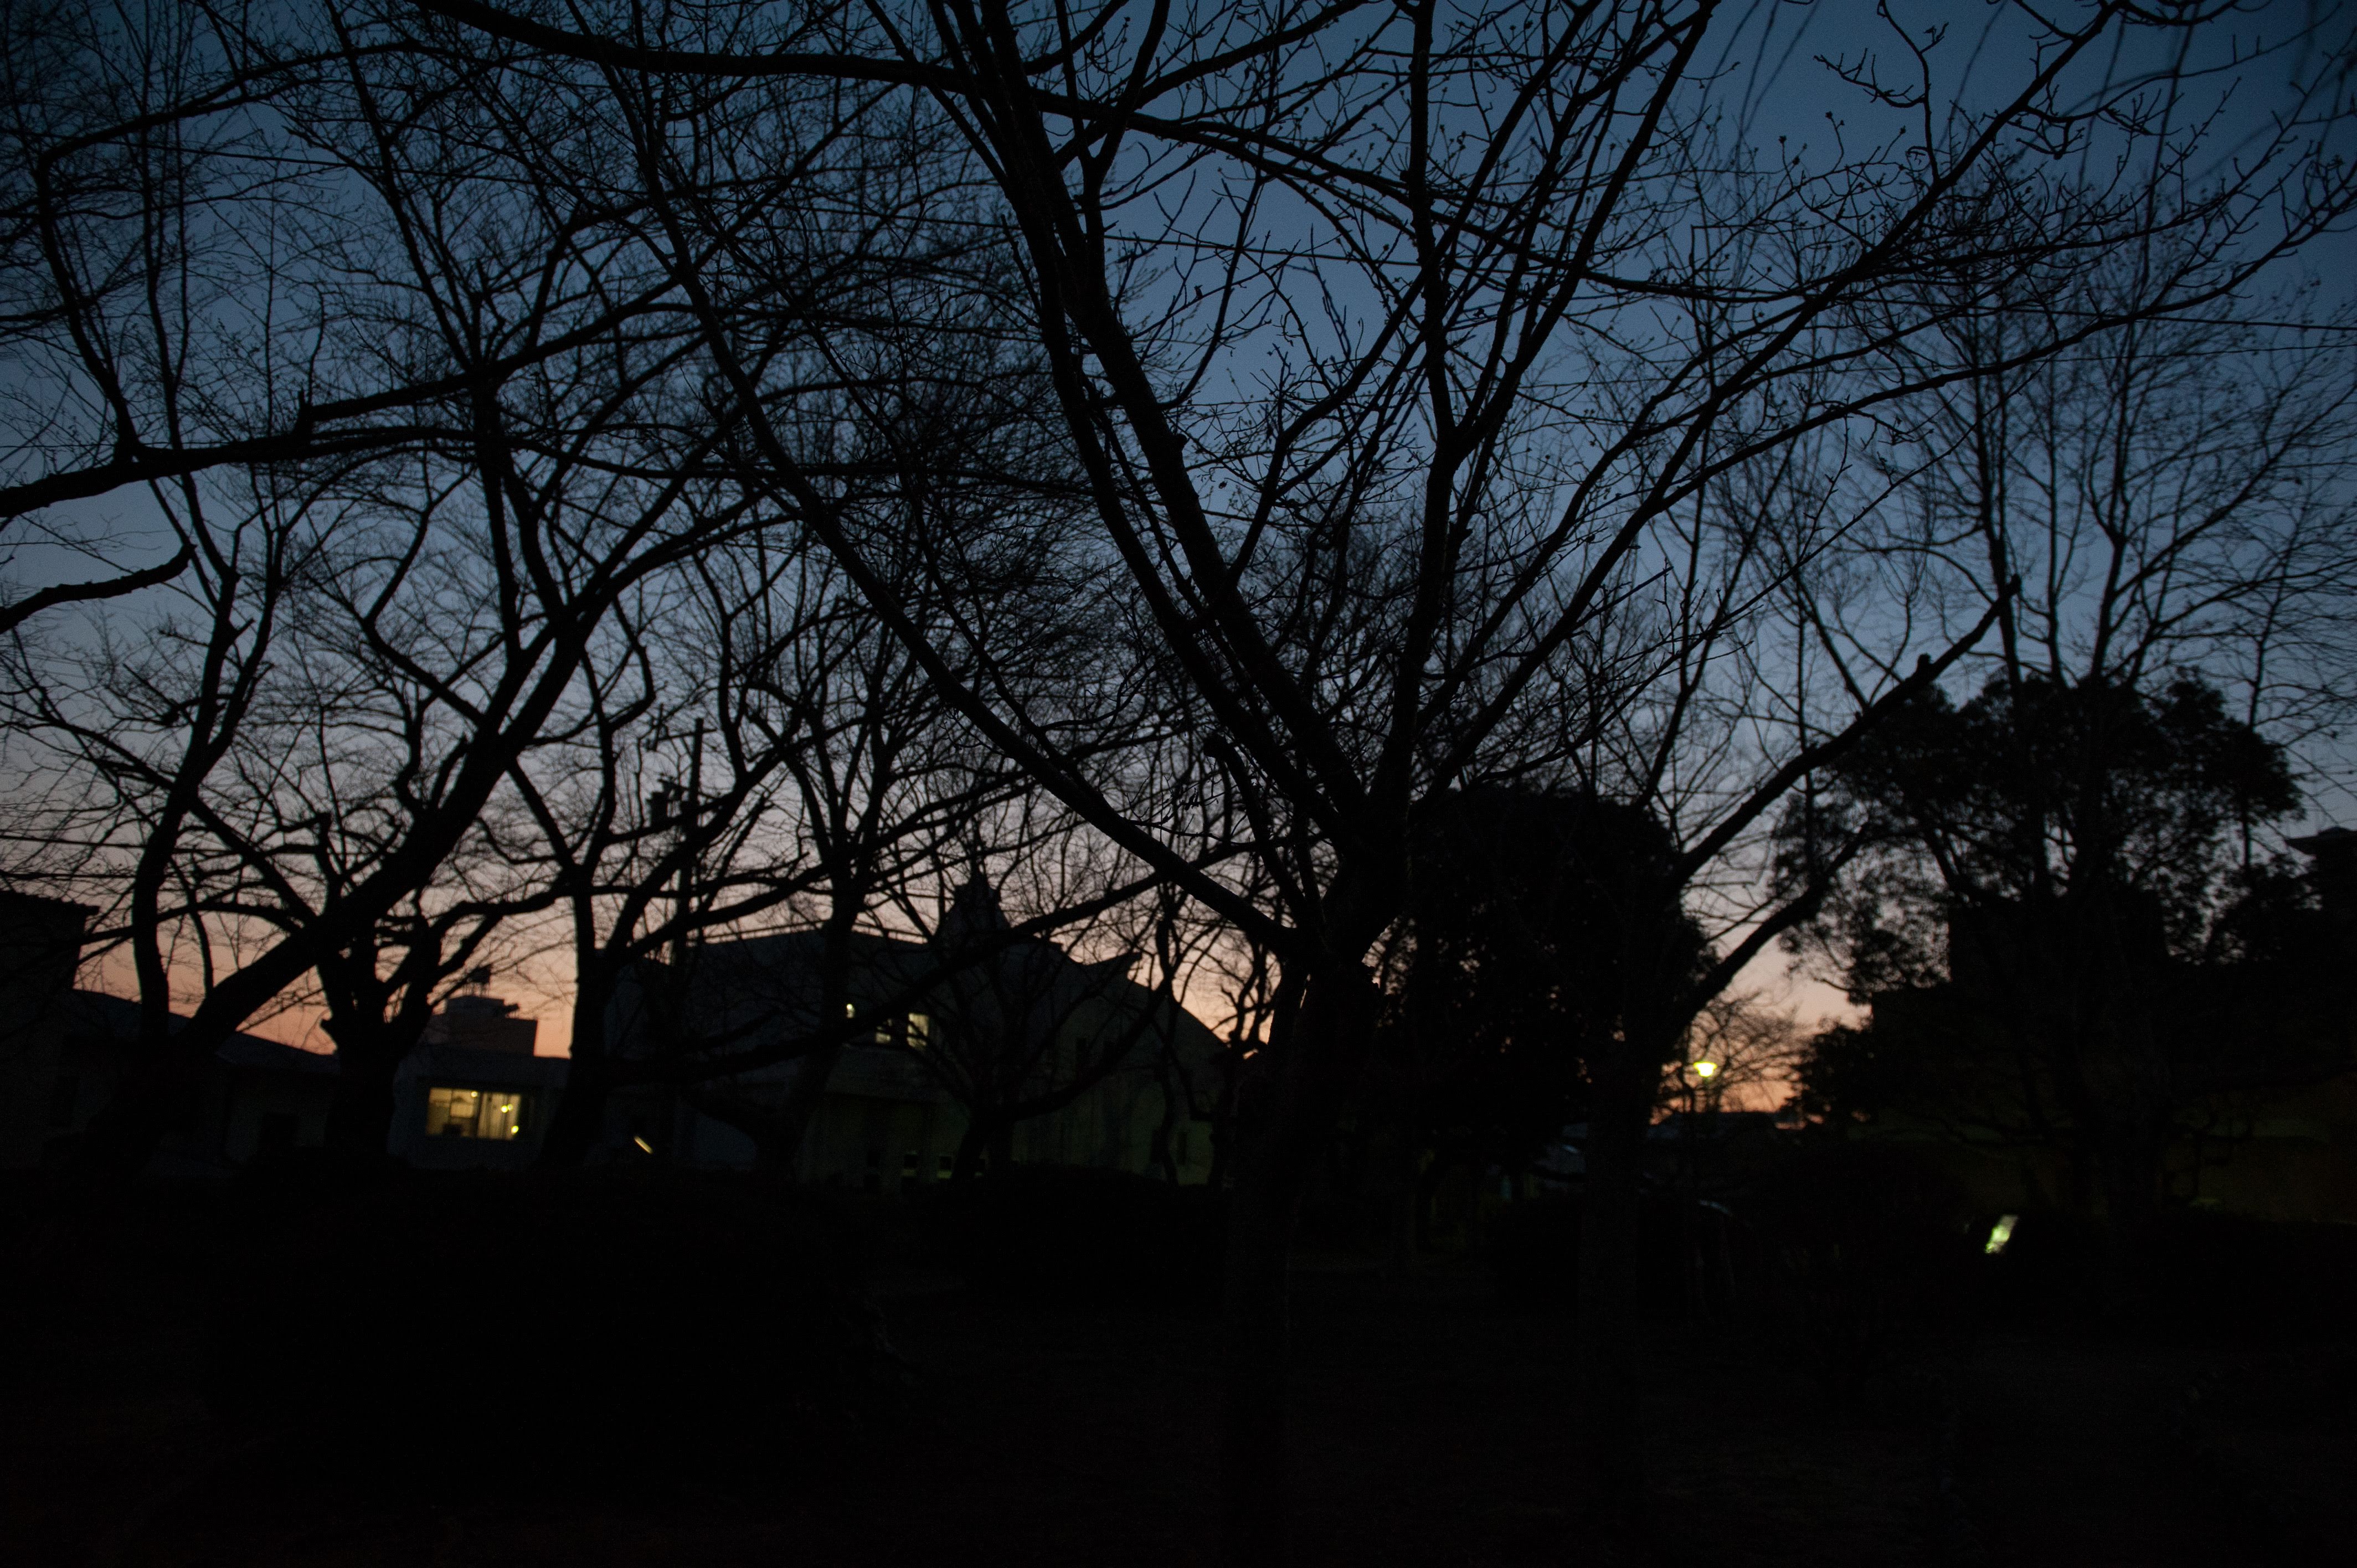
<point>359,1117</point>
<point>374,1037</point>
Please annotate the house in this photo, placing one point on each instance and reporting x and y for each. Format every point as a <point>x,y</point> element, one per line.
<point>2239,1080</point>
<point>1103,1071</point>
<point>63,1050</point>
<point>473,1095</point>
<point>1108,1072</point>
<point>40,947</point>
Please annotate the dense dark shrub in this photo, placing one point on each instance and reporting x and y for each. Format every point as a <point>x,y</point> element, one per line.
<point>2220,1275</point>
<point>582,1322</point>
<point>2200,1273</point>
<point>1345,1222</point>
<point>1691,1254</point>
<point>1534,1253</point>
<point>1856,1248</point>
<point>1880,1206</point>
<point>1094,1237</point>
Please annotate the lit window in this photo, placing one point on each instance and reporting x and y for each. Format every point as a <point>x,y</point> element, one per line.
<point>920,1031</point>
<point>909,1166</point>
<point>474,1113</point>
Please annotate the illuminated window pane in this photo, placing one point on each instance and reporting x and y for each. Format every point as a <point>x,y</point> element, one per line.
<point>475,1114</point>
<point>920,1031</point>
<point>451,1112</point>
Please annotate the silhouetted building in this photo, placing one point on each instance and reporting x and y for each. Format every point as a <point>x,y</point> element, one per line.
<point>475,1022</point>
<point>888,1118</point>
<point>259,1099</point>
<point>2236,1074</point>
<point>474,1096</point>
<point>40,947</point>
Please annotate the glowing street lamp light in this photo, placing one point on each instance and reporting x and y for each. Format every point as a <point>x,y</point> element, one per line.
<point>1706,1070</point>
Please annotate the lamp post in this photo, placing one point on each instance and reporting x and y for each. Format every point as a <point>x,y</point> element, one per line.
<point>1693,1074</point>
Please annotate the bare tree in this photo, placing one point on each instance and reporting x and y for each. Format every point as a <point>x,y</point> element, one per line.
<point>1020,1028</point>
<point>2170,502</point>
<point>754,757</point>
<point>479,563</point>
<point>1389,343</point>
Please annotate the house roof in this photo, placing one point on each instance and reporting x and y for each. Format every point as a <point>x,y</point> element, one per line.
<point>114,1020</point>
<point>464,1067</point>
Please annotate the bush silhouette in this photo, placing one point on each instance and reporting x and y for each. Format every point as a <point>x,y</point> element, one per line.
<point>1083,1236</point>
<point>584,1322</point>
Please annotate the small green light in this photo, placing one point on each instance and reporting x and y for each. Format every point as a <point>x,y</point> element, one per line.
<point>2000,1233</point>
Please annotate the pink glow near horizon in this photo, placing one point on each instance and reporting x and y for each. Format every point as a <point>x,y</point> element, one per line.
<point>540,996</point>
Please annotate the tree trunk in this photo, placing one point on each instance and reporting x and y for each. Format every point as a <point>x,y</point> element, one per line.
<point>359,1117</point>
<point>1160,1158</point>
<point>580,1119</point>
<point>368,1054</point>
<point>805,1095</point>
<point>1407,1206</point>
<point>970,1144</point>
<point>1609,1426</point>
<point>1282,1138</point>
<point>1255,1480</point>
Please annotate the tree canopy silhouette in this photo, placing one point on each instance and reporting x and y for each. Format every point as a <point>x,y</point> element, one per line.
<point>2063,921</point>
<point>1538,923</point>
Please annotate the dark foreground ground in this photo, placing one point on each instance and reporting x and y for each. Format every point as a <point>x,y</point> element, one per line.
<point>1433,1429</point>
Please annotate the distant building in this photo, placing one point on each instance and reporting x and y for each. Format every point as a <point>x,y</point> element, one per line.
<point>40,947</point>
<point>475,1022</point>
<point>62,1051</point>
<point>888,1119</point>
<point>475,1096</point>
<point>2260,1090</point>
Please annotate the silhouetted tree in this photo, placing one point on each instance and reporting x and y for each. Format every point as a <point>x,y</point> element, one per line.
<point>1511,969</point>
<point>1389,356</point>
<point>487,446</point>
<point>1021,1029</point>
<point>2065,864</point>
